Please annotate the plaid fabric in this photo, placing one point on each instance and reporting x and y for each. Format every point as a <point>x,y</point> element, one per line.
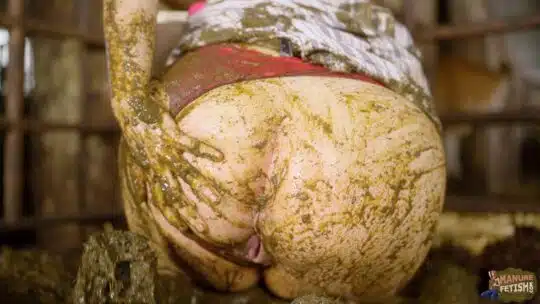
<point>342,35</point>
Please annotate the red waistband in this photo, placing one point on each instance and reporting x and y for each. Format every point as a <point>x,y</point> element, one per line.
<point>215,65</point>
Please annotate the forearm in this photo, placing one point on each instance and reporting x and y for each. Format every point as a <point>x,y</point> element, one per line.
<point>129,27</point>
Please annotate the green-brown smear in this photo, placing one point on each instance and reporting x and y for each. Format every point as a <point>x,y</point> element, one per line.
<point>258,16</point>
<point>150,133</point>
<point>129,80</point>
<point>323,124</point>
<point>163,145</point>
<point>215,36</point>
<point>360,20</point>
<point>349,219</point>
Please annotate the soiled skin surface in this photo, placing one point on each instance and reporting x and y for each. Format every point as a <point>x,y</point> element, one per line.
<point>314,184</point>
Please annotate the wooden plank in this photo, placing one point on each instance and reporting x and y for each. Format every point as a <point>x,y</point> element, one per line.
<point>99,179</point>
<point>46,29</point>
<point>468,30</point>
<point>83,10</point>
<point>473,87</point>
<point>91,219</point>
<point>14,140</point>
<point>58,81</point>
<point>37,126</point>
<point>493,204</point>
<point>480,119</point>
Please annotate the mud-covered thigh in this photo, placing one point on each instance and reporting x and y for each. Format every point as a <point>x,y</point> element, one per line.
<point>342,180</point>
<point>355,193</point>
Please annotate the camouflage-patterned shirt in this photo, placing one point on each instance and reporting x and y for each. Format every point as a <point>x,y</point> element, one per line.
<point>342,35</point>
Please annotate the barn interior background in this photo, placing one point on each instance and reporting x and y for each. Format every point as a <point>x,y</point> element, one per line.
<point>59,136</point>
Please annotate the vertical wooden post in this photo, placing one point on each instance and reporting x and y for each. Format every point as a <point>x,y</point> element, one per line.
<point>58,85</point>
<point>14,145</point>
<point>99,162</point>
<point>488,144</point>
<point>474,50</point>
<point>82,13</point>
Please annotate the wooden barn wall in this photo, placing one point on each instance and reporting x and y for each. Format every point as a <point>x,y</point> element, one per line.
<point>484,147</point>
<point>522,47</point>
<point>521,51</point>
<point>58,98</point>
<point>99,159</point>
<point>73,172</point>
<point>463,11</point>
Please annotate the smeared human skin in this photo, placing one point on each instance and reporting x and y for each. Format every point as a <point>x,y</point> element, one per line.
<point>157,146</point>
<point>315,184</point>
<point>353,179</point>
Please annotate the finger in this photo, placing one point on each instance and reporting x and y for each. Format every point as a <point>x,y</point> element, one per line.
<point>200,148</point>
<point>171,140</point>
<point>187,143</point>
<point>202,188</point>
<point>136,148</point>
<point>171,160</point>
<point>177,208</point>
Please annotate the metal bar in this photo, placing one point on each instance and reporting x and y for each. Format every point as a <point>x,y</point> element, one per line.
<point>36,27</point>
<point>33,222</point>
<point>451,32</point>
<point>14,141</point>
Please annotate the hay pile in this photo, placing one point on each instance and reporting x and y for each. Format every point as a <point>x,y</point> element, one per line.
<point>119,267</point>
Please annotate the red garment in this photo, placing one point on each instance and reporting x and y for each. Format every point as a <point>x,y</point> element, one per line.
<point>215,65</point>
<point>195,7</point>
